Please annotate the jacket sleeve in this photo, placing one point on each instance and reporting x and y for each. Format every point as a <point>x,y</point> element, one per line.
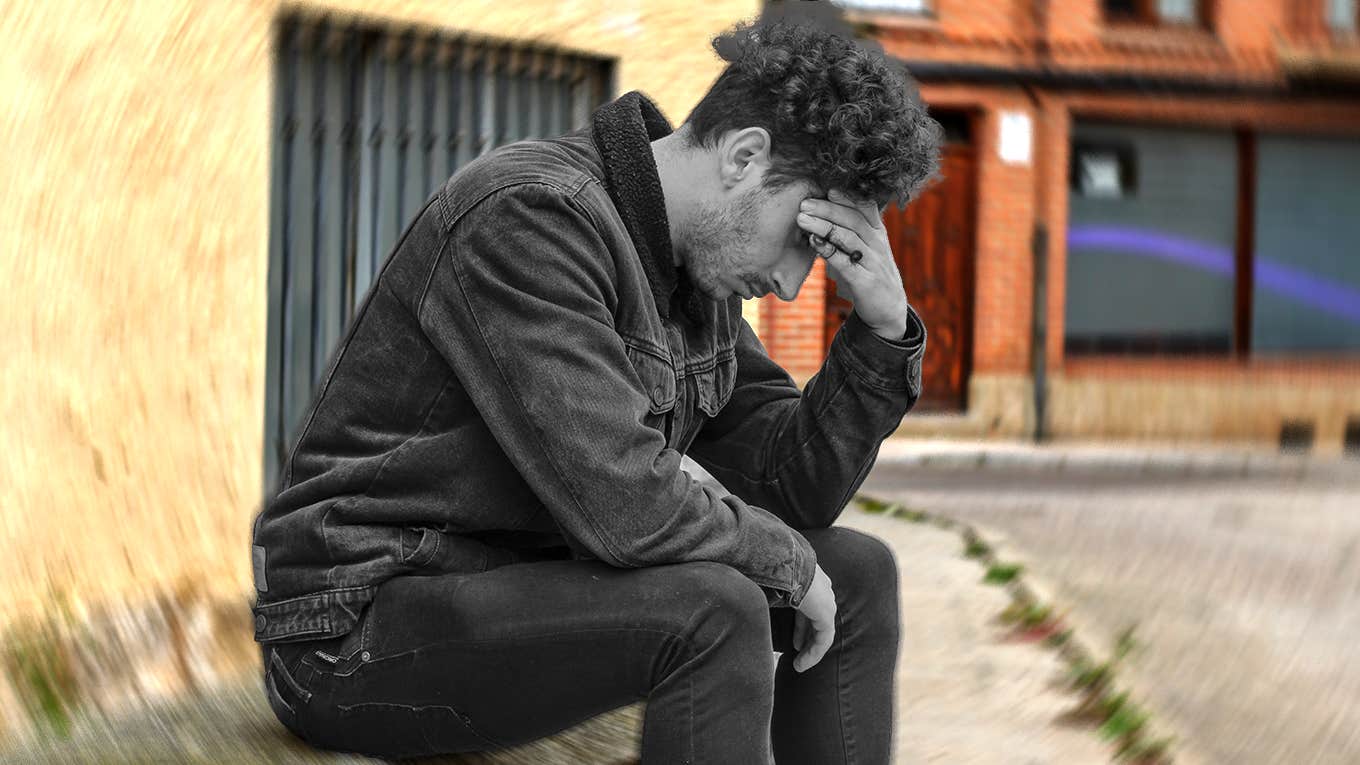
<point>804,454</point>
<point>520,302</point>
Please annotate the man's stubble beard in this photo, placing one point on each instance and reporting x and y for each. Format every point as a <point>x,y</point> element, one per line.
<point>714,238</point>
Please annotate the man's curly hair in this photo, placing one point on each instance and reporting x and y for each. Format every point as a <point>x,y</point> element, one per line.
<point>839,114</point>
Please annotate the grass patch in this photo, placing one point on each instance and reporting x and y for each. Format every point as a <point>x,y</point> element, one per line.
<point>1145,751</point>
<point>977,548</point>
<point>1090,677</point>
<point>1001,573</point>
<point>871,505</point>
<point>1125,643</point>
<point>894,509</point>
<point>906,513</point>
<point>1123,719</point>
<point>1059,639</point>
<point>40,668</point>
<point>1026,614</point>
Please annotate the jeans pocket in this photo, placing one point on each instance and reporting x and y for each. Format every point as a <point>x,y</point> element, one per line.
<point>342,655</point>
<point>287,697</point>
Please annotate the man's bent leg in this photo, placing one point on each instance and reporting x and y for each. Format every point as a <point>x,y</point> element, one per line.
<point>841,710</point>
<point>470,662</point>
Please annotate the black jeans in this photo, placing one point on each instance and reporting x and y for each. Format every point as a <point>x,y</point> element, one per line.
<point>473,662</point>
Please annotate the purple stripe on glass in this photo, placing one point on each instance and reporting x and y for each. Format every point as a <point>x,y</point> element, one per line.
<point>1316,292</point>
<point>1137,241</point>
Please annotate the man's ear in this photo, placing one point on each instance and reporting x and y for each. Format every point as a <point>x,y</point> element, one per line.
<point>743,152</point>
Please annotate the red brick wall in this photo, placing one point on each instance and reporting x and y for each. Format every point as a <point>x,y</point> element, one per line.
<point>792,331</point>
<point>1240,39</point>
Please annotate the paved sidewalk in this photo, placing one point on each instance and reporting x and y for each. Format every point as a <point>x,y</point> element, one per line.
<point>964,695</point>
<point>1210,460</point>
<point>1243,591</point>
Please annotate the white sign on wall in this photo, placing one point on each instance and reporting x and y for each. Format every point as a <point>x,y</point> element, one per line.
<point>1016,139</point>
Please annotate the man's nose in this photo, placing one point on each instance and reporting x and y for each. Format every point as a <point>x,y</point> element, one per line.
<point>787,287</point>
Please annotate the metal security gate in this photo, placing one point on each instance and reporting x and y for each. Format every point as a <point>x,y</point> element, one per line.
<point>368,122</point>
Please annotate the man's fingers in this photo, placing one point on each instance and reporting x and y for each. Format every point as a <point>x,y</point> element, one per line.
<point>873,215</point>
<point>840,262</point>
<point>800,624</point>
<point>813,653</point>
<point>840,237</point>
<point>844,215</point>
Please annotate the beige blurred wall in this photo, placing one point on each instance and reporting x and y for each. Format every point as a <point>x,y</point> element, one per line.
<point>134,252</point>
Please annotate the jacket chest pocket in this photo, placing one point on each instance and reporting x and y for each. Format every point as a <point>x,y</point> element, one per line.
<point>714,384</point>
<point>658,379</point>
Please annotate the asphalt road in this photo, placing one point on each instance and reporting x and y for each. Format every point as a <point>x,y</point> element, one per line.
<point>1246,591</point>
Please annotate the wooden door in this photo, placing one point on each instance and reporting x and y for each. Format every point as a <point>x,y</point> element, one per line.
<point>932,242</point>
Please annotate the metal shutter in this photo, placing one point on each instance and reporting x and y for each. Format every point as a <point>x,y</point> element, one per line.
<point>368,122</point>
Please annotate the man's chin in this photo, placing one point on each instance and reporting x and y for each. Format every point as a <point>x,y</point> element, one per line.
<point>712,292</point>
<point>722,294</point>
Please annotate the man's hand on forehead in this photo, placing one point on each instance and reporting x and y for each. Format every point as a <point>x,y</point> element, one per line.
<point>851,237</point>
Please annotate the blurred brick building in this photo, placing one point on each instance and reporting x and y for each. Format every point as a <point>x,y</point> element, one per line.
<point>1151,207</point>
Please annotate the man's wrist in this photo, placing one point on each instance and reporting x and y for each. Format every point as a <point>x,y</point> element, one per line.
<point>896,330</point>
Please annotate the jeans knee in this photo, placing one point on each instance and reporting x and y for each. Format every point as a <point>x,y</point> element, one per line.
<point>726,615</point>
<point>720,604</point>
<point>863,572</point>
<point>727,591</point>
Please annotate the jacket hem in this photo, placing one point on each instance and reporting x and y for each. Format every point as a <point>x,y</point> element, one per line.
<point>325,614</point>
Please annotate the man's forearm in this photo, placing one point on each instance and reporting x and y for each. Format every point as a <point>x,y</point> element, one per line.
<point>803,454</point>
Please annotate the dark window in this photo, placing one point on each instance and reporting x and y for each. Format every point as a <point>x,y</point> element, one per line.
<point>1306,273</point>
<point>1296,436</point>
<point>1156,12</point>
<point>1150,273</point>
<point>367,125</point>
<point>957,126</point>
<point>1351,440</point>
<point>1122,9</point>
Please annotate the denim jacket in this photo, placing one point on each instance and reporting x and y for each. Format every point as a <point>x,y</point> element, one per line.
<point>521,380</point>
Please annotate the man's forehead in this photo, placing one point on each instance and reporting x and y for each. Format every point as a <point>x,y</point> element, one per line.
<point>816,191</point>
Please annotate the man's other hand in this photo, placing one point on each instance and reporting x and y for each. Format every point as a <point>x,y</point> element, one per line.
<point>817,615</point>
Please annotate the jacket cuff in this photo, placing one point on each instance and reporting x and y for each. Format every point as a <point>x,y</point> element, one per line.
<point>882,363</point>
<point>804,567</point>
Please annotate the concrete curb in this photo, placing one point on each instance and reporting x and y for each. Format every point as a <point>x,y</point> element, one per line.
<point>1076,651</point>
<point>1115,460</point>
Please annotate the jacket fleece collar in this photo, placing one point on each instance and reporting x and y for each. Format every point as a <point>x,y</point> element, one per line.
<point>623,131</point>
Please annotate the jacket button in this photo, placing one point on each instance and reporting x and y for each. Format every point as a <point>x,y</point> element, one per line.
<point>658,393</point>
<point>259,622</point>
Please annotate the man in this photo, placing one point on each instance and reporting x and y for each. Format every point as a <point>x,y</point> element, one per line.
<point>484,535</point>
